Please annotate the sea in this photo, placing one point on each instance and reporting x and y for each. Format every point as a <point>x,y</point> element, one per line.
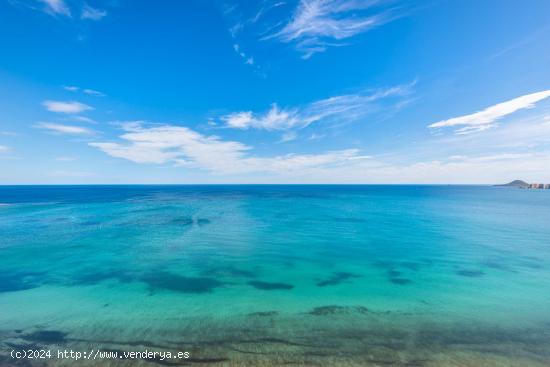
<point>273,275</point>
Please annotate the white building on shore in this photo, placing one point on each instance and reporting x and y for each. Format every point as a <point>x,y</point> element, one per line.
<point>539,186</point>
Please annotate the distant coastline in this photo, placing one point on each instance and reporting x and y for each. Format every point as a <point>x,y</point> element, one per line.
<point>524,185</point>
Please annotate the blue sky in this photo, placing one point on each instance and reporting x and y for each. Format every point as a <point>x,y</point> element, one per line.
<point>316,91</point>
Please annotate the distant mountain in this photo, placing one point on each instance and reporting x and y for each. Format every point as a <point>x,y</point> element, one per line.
<point>516,183</point>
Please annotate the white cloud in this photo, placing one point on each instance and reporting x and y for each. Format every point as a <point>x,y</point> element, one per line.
<point>83,119</point>
<point>289,136</point>
<point>318,24</point>
<point>66,159</point>
<point>478,170</point>
<point>184,147</point>
<point>457,157</point>
<point>92,13</point>
<point>361,157</point>
<point>474,129</point>
<point>64,129</point>
<point>239,120</point>
<point>66,107</point>
<point>4,148</point>
<point>265,9</point>
<point>342,108</point>
<point>56,7</point>
<point>249,60</point>
<point>8,133</point>
<point>484,120</point>
<point>93,92</point>
<point>492,157</point>
<point>274,119</point>
<point>519,149</point>
<point>315,136</point>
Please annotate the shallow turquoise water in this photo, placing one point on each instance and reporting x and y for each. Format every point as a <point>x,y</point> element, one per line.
<point>206,267</point>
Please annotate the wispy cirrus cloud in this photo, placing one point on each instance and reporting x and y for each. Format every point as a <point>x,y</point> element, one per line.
<point>71,107</point>
<point>4,148</point>
<point>344,108</point>
<point>249,60</point>
<point>91,92</point>
<point>71,88</point>
<point>184,147</point>
<point>316,25</point>
<point>487,118</point>
<point>265,8</point>
<point>66,159</point>
<point>274,119</point>
<point>240,23</point>
<point>64,129</point>
<point>64,9</point>
<point>288,136</point>
<point>56,7</point>
<point>8,133</point>
<point>91,13</point>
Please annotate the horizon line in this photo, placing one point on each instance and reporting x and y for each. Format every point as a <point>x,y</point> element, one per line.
<point>250,184</point>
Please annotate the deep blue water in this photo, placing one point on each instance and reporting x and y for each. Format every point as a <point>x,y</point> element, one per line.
<point>308,274</point>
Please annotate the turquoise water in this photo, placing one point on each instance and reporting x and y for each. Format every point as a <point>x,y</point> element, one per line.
<point>273,275</point>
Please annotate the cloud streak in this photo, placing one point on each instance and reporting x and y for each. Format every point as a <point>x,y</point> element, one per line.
<point>318,24</point>
<point>343,108</point>
<point>75,10</point>
<point>66,107</point>
<point>56,7</point>
<point>90,13</point>
<point>184,147</point>
<point>64,129</point>
<point>487,118</point>
<point>91,92</point>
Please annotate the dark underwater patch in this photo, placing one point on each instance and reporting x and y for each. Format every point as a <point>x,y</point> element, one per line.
<point>19,281</point>
<point>531,265</point>
<point>183,221</point>
<point>264,314</point>
<point>88,278</point>
<point>337,278</point>
<point>7,360</point>
<point>396,277</point>
<point>470,273</point>
<point>189,221</point>
<point>203,221</point>
<point>392,273</point>
<point>400,281</point>
<point>47,336</point>
<point>337,310</point>
<point>178,283</point>
<point>268,286</point>
<point>90,223</point>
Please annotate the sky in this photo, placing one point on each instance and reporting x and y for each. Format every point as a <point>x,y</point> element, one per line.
<point>274,91</point>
